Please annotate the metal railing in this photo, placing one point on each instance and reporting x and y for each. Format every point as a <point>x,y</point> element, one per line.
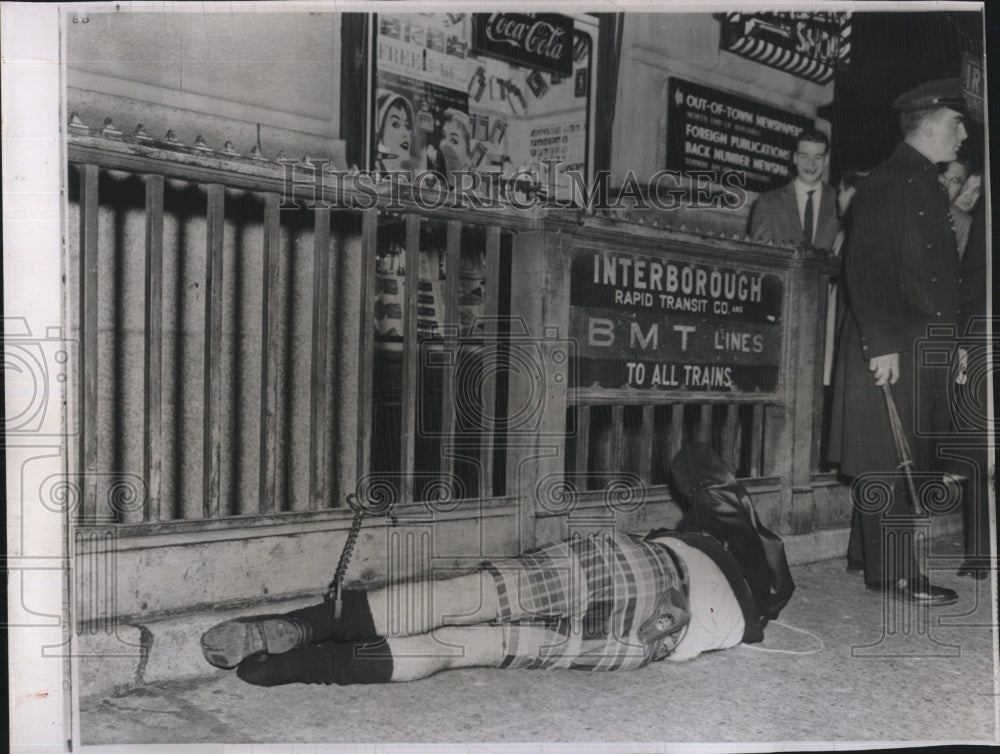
<point>641,439</point>
<point>297,346</point>
<point>221,244</point>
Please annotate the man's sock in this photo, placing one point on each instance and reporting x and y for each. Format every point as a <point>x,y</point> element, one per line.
<point>355,621</point>
<point>329,663</point>
<point>228,643</point>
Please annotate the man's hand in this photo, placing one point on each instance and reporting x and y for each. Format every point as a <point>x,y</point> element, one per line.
<point>963,366</point>
<point>885,368</point>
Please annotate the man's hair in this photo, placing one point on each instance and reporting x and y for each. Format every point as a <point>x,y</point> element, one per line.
<point>909,122</point>
<point>813,136</point>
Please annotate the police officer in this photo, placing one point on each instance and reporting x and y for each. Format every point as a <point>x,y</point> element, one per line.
<point>901,272</point>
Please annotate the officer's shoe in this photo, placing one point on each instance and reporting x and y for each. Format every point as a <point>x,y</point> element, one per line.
<point>227,644</point>
<point>918,591</point>
<point>974,569</point>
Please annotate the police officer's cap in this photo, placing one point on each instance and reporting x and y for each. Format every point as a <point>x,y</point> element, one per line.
<point>932,95</point>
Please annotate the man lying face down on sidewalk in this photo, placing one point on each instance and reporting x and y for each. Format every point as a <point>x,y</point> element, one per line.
<point>610,601</point>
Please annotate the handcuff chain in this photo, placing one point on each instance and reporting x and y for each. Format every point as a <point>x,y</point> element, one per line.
<point>333,591</point>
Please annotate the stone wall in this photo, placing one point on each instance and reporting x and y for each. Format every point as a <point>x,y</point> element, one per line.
<point>270,79</point>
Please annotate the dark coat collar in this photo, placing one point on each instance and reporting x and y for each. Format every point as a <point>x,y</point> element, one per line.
<point>914,160</point>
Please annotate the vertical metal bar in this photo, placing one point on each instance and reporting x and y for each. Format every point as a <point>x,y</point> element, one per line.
<point>411,358</point>
<point>153,338</point>
<point>705,422</point>
<point>757,442</point>
<point>582,459</point>
<point>366,340</point>
<point>731,436</point>
<point>491,305</point>
<point>647,433</point>
<point>319,461</point>
<point>617,439</point>
<point>822,348</point>
<point>88,338</point>
<point>269,355</point>
<point>604,448</point>
<point>212,448</point>
<point>675,437</point>
<point>452,320</point>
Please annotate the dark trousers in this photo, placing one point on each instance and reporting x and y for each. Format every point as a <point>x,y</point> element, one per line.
<point>970,425</point>
<point>976,508</point>
<point>882,535</point>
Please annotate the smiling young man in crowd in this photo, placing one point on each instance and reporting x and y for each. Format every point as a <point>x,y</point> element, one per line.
<point>803,212</point>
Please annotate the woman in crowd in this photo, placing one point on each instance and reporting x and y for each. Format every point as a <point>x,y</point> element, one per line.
<point>954,177</point>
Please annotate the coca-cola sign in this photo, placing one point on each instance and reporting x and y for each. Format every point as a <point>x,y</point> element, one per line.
<point>534,40</point>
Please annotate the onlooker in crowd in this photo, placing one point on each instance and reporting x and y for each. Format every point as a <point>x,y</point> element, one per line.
<point>971,409</point>
<point>953,177</point>
<point>968,218</point>
<point>970,193</point>
<point>848,186</point>
<point>846,189</point>
<point>804,211</point>
<point>901,273</point>
<point>836,304</point>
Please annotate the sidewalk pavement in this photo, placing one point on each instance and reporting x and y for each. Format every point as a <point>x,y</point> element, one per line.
<point>840,666</point>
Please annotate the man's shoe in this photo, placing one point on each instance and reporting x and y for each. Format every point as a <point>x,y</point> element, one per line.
<point>919,591</point>
<point>978,572</point>
<point>227,644</point>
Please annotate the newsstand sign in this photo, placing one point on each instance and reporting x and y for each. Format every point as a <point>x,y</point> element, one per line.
<point>712,130</point>
<point>809,45</point>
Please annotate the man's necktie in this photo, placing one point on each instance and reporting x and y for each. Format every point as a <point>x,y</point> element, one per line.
<point>807,219</point>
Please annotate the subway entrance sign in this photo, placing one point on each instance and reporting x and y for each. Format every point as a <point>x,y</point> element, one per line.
<point>656,323</point>
<point>972,85</point>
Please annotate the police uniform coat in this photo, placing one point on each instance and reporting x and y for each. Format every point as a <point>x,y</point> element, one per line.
<point>776,218</point>
<point>901,270</point>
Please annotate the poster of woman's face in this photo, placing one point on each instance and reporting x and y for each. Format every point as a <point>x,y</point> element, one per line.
<point>395,133</point>
<point>414,122</point>
<point>455,143</point>
<point>476,107</point>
